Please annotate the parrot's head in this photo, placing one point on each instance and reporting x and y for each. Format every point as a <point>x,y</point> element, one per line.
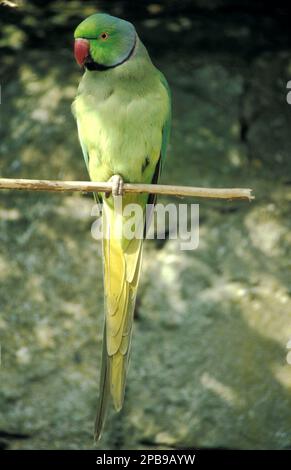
<point>103,42</point>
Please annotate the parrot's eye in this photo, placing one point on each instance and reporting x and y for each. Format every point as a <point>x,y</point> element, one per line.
<point>104,36</point>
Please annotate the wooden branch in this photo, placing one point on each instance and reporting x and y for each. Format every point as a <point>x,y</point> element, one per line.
<point>90,186</point>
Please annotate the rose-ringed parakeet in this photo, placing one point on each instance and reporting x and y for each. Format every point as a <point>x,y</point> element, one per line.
<point>123,110</point>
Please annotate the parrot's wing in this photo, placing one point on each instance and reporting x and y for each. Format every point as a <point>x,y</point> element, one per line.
<point>167,125</point>
<point>165,140</point>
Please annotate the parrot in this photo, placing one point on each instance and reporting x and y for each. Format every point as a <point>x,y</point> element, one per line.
<point>123,117</point>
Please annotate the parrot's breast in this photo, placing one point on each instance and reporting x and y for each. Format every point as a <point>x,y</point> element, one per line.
<point>121,128</point>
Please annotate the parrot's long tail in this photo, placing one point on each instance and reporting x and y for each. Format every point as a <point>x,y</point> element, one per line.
<point>122,262</point>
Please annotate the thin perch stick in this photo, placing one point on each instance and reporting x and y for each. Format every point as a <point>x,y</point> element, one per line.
<point>92,186</point>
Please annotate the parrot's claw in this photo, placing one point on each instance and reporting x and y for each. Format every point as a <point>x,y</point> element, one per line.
<point>117,185</point>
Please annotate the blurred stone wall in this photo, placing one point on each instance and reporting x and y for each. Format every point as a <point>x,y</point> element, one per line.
<point>209,359</point>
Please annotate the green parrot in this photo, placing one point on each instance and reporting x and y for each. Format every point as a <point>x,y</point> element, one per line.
<point>123,114</point>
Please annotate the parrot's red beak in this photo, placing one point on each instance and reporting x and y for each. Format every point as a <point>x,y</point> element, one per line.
<point>81,50</point>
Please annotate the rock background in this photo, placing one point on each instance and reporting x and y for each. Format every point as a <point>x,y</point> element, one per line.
<point>208,365</point>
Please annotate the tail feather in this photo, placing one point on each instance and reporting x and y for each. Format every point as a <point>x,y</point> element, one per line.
<point>117,379</point>
<point>102,406</point>
<point>122,262</point>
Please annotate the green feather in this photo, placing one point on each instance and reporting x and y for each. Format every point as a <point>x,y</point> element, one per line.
<point>167,125</point>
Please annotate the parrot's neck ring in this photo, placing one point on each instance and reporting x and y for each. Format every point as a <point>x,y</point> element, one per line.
<point>95,66</point>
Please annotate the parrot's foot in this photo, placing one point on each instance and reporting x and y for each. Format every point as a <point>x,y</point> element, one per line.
<point>117,185</point>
